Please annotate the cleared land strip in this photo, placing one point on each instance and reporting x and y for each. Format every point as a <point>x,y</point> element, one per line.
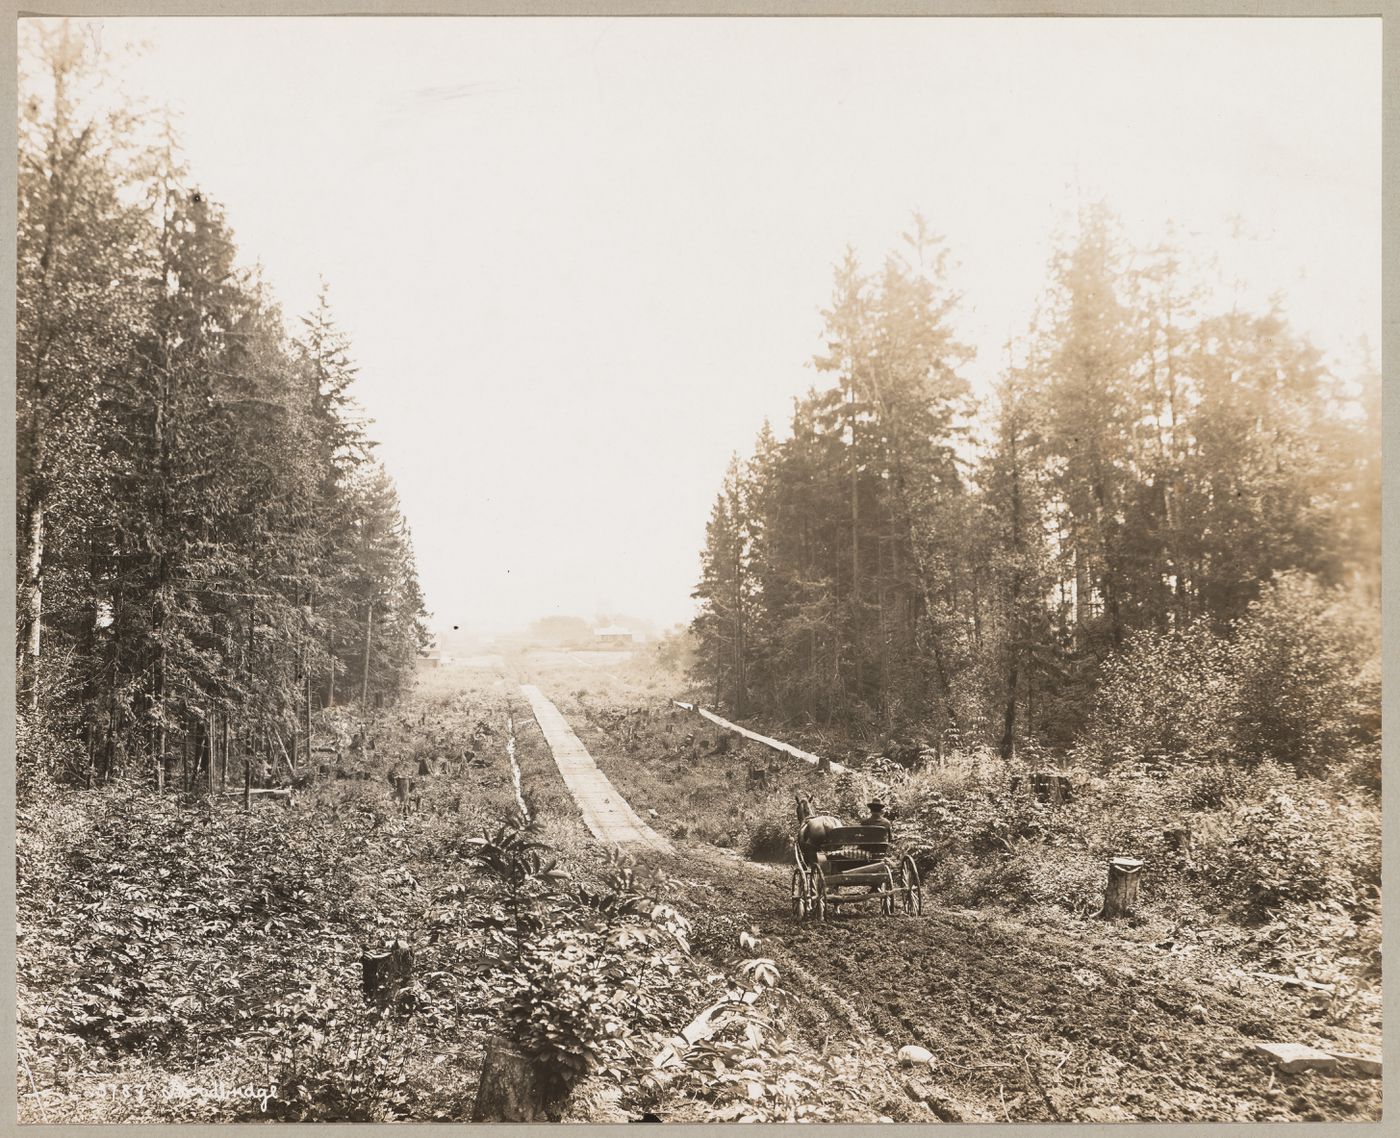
<point>605,812</point>
<point>776,744</point>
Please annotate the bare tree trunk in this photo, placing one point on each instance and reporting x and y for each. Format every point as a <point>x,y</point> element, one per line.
<point>740,694</point>
<point>34,592</point>
<point>509,1090</point>
<point>1081,593</point>
<point>1008,736</point>
<point>1008,732</point>
<point>306,669</point>
<point>855,544</point>
<point>1030,699</point>
<point>160,757</point>
<point>383,975</point>
<point>369,640</point>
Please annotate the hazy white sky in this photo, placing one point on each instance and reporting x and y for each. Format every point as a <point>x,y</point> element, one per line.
<point>581,259</point>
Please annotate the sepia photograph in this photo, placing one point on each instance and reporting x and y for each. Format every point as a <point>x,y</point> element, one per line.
<point>678,569</point>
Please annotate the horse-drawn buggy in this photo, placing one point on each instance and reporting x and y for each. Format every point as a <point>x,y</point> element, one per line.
<point>837,864</point>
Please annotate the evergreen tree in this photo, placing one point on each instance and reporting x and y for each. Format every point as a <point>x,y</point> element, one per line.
<point>198,527</point>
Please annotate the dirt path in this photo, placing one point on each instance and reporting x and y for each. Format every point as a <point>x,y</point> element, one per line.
<point>605,812</point>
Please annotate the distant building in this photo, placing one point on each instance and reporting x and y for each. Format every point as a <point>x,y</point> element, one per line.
<point>613,634</point>
<point>434,658</point>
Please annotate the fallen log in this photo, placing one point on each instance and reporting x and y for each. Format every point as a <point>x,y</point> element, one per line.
<point>275,792</point>
<point>1288,981</point>
<point>1294,1057</point>
<point>822,764</point>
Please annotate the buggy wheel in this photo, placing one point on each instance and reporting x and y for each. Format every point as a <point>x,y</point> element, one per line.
<point>819,896</point>
<point>800,891</point>
<point>909,883</point>
<point>888,889</point>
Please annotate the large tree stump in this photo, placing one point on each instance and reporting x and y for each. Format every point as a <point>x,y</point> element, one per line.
<point>509,1090</point>
<point>1120,898</point>
<point>385,974</point>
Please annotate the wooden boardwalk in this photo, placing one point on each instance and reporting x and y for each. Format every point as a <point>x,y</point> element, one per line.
<point>605,812</point>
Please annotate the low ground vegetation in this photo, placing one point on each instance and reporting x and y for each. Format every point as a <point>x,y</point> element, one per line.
<point>181,959</point>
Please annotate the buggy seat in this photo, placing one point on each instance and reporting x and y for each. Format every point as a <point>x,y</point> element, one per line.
<point>850,846</point>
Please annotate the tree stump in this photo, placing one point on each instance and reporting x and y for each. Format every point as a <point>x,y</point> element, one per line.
<point>385,974</point>
<point>1043,786</point>
<point>405,793</point>
<point>1120,898</point>
<point>509,1090</point>
<point>1178,839</point>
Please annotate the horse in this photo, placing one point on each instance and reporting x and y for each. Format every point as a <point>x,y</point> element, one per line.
<point>812,829</point>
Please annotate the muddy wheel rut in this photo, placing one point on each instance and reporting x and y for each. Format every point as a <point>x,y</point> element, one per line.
<point>1031,1025</point>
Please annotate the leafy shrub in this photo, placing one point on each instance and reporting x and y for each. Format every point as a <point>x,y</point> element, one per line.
<point>1298,682</point>
<point>1164,694</point>
<point>41,756</point>
<point>582,969</point>
<point>748,1070</point>
<point>769,830</point>
<point>1288,848</point>
<point>1306,658</point>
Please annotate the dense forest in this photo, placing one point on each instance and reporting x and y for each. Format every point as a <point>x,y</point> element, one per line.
<point>1161,534</point>
<point>207,550</point>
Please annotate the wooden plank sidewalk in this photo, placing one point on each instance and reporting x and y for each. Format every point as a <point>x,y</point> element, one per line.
<point>605,812</point>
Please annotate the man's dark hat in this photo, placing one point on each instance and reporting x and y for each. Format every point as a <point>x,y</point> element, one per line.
<point>876,804</point>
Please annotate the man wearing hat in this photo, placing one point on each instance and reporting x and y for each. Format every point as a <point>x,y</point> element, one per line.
<point>877,817</point>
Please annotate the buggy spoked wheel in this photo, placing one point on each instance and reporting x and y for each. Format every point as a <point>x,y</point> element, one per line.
<point>819,909</point>
<point>887,901</point>
<point>801,892</point>
<point>909,882</point>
